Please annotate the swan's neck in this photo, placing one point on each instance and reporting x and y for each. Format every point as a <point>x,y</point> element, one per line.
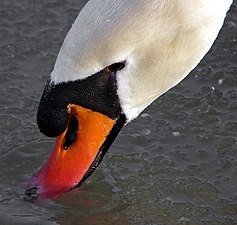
<point>161,40</point>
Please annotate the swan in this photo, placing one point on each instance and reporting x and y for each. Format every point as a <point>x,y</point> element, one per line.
<point>118,57</point>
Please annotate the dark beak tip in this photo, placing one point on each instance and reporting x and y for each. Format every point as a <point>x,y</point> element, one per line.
<point>31,194</point>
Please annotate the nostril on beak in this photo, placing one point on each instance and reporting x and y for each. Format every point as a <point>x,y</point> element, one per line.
<point>71,134</point>
<point>31,194</point>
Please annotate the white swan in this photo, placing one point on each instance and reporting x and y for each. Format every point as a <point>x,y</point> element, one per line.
<point>148,46</point>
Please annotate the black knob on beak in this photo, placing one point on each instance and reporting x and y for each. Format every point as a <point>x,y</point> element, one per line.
<point>52,115</point>
<point>97,92</point>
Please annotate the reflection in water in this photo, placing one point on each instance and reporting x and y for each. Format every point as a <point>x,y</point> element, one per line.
<point>93,205</point>
<point>176,164</point>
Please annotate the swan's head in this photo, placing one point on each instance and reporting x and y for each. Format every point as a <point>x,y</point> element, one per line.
<point>89,96</point>
<point>117,58</point>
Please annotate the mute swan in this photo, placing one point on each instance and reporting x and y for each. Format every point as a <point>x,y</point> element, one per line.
<point>118,57</point>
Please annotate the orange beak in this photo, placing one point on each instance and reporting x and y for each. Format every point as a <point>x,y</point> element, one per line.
<point>74,159</point>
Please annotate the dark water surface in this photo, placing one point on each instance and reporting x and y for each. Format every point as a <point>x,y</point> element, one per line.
<point>175,164</point>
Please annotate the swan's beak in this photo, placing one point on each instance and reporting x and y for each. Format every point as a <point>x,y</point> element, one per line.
<point>76,153</point>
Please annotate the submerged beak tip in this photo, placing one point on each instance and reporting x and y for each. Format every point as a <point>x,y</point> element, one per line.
<point>38,193</point>
<point>31,194</point>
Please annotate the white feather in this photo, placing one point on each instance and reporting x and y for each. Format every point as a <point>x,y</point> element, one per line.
<point>162,41</point>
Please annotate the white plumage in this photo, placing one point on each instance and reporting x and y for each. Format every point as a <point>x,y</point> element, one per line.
<point>161,41</point>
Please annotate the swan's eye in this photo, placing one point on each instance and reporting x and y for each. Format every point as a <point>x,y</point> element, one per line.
<point>71,134</point>
<point>116,66</point>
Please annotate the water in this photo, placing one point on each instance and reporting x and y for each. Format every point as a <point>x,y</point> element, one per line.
<point>175,164</point>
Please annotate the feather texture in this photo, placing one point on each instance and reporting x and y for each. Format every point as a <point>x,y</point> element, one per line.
<point>161,40</point>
